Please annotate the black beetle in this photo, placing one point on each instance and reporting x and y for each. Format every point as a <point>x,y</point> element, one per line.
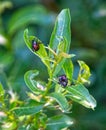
<point>35,45</point>
<point>62,80</point>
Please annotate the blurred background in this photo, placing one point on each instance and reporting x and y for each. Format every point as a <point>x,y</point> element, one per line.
<point>88,27</point>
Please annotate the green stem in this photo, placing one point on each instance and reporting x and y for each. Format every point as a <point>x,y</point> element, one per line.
<point>50,81</point>
<point>48,86</point>
<point>52,70</point>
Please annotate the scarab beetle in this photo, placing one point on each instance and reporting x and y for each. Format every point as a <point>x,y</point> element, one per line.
<point>62,80</point>
<point>35,45</point>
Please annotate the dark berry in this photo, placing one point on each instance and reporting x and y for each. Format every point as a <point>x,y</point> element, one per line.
<point>63,81</point>
<point>35,46</point>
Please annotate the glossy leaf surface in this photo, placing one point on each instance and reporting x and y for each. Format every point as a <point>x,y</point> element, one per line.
<point>59,122</point>
<point>81,95</point>
<point>61,33</point>
<point>61,100</point>
<point>61,38</point>
<point>84,72</point>
<point>31,82</point>
<point>68,68</point>
<point>21,111</point>
<point>41,52</point>
<point>2,92</point>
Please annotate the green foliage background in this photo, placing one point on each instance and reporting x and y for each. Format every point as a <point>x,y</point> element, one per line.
<point>88,43</point>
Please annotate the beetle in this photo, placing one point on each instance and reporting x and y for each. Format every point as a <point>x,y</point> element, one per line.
<point>35,45</point>
<point>62,80</point>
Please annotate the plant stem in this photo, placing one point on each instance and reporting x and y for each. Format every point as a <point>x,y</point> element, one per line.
<point>48,86</point>
<point>51,73</point>
<point>50,81</point>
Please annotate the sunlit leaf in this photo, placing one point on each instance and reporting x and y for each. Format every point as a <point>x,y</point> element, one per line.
<point>2,92</point>
<point>61,33</point>
<point>68,68</point>
<point>61,100</point>
<point>58,66</point>
<point>61,38</point>
<point>41,52</point>
<point>58,88</point>
<point>84,72</point>
<point>81,95</point>
<point>9,126</point>
<point>21,111</point>
<point>32,84</point>
<point>59,122</point>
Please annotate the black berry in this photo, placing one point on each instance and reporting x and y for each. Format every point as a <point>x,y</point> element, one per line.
<point>35,46</point>
<point>63,81</point>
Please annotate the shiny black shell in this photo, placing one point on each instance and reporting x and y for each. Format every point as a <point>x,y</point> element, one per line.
<point>62,80</point>
<point>35,46</point>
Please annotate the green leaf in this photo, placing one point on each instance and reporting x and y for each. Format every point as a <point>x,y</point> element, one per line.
<point>2,92</point>
<point>58,88</point>
<point>61,100</point>
<point>31,83</point>
<point>58,67</point>
<point>68,68</point>
<point>61,58</point>
<point>21,111</point>
<point>61,35</point>
<point>61,38</point>
<point>59,122</point>
<point>41,52</point>
<point>81,95</point>
<point>3,79</point>
<point>9,125</point>
<point>30,15</point>
<point>84,73</point>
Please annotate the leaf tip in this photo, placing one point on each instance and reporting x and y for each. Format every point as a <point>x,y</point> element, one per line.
<point>26,31</point>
